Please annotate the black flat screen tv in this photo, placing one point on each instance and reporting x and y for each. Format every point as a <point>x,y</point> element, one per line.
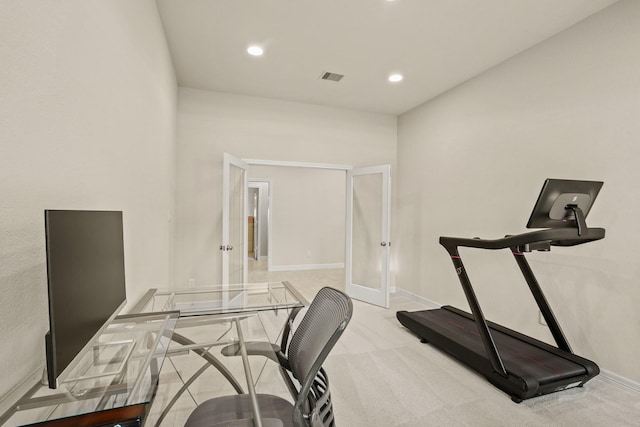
<point>86,281</point>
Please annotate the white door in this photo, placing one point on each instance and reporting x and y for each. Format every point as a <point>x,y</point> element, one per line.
<point>368,246</point>
<point>234,220</point>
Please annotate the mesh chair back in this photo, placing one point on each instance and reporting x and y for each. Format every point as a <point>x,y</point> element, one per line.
<point>322,325</point>
<point>329,313</point>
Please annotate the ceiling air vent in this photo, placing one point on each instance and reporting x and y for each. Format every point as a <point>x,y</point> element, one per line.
<point>334,77</point>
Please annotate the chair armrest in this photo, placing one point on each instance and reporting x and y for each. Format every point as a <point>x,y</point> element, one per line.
<point>254,348</point>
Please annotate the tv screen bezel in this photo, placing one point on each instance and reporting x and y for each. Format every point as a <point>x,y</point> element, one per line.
<point>550,193</point>
<point>62,280</point>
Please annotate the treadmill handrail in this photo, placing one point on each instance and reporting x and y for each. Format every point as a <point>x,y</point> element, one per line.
<point>555,236</point>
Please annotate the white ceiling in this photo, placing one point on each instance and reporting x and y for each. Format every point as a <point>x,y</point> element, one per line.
<point>435,44</point>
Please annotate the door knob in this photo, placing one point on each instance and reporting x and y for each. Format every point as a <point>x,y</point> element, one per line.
<point>222,248</point>
<point>383,243</point>
<point>229,247</point>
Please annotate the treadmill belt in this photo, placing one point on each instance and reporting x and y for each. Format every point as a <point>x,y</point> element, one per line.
<point>519,357</point>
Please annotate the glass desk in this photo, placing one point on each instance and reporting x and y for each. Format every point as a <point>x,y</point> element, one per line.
<point>114,380</point>
<point>222,299</point>
<point>224,326</point>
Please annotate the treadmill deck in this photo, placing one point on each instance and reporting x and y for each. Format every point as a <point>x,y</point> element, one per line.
<point>534,367</point>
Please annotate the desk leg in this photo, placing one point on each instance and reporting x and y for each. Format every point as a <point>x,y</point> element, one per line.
<point>211,359</point>
<point>257,420</point>
<point>184,387</point>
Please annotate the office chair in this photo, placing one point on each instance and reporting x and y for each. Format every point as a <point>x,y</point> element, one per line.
<point>313,339</point>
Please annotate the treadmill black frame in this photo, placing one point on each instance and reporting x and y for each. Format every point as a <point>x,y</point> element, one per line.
<point>535,240</point>
<point>519,244</point>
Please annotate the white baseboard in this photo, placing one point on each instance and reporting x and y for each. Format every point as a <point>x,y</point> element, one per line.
<point>417,298</point>
<point>306,267</point>
<point>619,380</point>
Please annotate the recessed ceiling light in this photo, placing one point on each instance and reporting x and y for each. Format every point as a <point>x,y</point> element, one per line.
<point>394,78</point>
<point>255,50</point>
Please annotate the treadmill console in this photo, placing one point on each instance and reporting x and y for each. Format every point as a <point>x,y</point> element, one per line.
<point>559,202</point>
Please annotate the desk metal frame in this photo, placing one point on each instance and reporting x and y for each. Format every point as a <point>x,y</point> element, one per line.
<point>232,313</point>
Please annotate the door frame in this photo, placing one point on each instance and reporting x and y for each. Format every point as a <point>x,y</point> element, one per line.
<point>260,213</point>
<point>256,222</point>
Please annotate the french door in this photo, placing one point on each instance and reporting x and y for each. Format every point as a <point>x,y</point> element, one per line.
<point>368,249</point>
<point>234,220</point>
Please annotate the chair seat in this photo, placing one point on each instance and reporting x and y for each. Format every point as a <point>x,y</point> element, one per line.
<point>235,411</point>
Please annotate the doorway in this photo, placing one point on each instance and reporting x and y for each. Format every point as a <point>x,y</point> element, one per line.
<point>252,223</point>
<point>258,219</point>
<point>306,220</point>
<point>375,288</point>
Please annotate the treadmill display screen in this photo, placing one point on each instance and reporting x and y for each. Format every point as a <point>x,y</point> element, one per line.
<point>550,210</point>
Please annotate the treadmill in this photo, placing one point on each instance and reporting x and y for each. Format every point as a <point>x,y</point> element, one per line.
<point>521,366</point>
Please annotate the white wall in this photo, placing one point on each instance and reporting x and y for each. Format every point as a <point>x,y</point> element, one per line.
<point>471,163</point>
<point>307,216</point>
<point>211,123</point>
<point>87,121</point>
